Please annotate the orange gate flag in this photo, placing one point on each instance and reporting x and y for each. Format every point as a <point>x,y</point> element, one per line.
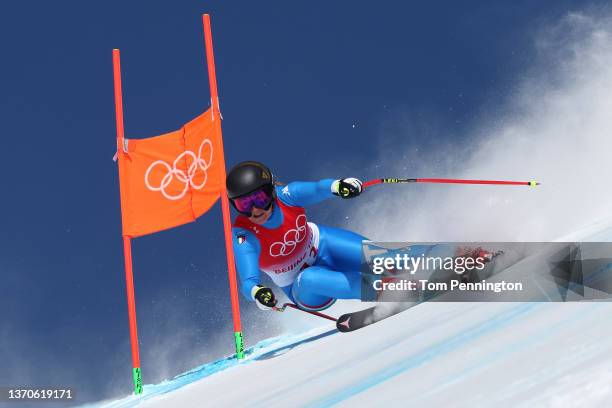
<point>172,179</point>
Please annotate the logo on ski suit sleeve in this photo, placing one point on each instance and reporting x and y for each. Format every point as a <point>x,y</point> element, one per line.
<point>288,249</point>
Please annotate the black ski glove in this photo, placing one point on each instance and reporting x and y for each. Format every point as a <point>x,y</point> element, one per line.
<point>347,188</point>
<point>264,297</point>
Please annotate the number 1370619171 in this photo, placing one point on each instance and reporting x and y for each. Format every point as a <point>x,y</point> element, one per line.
<point>8,394</point>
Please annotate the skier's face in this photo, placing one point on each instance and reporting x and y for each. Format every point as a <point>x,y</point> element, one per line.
<point>259,216</point>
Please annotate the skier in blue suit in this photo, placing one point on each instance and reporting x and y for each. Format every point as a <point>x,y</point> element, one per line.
<point>312,264</point>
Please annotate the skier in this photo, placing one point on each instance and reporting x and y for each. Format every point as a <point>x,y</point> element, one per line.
<point>312,264</point>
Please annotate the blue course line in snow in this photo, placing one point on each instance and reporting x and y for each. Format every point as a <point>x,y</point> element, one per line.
<point>283,349</point>
<point>528,341</point>
<point>263,349</point>
<point>430,354</point>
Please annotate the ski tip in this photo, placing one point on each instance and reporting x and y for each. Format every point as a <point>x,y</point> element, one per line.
<point>534,183</point>
<point>343,323</point>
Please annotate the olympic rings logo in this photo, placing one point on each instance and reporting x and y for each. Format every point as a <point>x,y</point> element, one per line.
<point>291,239</point>
<point>197,164</point>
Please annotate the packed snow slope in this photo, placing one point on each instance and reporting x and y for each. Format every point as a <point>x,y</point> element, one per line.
<point>554,127</point>
<point>435,354</point>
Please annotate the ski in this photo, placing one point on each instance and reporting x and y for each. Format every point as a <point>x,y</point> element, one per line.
<point>496,263</point>
<point>349,322</point>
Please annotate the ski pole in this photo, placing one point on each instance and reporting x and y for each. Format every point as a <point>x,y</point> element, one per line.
<point>324,316</point>
<point>448,181</point>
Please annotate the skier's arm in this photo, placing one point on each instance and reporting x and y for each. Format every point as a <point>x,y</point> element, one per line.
<point>246,253</point>
<point>305,193</point>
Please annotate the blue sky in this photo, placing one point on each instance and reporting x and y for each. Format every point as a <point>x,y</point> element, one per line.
<point>308,88</point>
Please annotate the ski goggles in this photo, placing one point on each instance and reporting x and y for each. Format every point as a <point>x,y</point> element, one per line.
<point>261,198</point>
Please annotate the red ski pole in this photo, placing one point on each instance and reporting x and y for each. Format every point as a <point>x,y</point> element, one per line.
<point>448,181</point>
<point>324,316</point>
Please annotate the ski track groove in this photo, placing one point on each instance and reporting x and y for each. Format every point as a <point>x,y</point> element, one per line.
<point>489,359</point>
<point>264,399</point>
<point>441,348</point>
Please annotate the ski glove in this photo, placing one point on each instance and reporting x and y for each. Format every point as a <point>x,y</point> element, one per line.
<point>347,188</point>
<point>263,297</point>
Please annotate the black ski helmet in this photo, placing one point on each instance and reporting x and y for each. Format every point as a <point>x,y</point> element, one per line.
<point>246,177</point>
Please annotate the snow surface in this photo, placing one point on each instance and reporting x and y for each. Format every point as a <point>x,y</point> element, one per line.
<point>556,127</point>
<point>436,354</point>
